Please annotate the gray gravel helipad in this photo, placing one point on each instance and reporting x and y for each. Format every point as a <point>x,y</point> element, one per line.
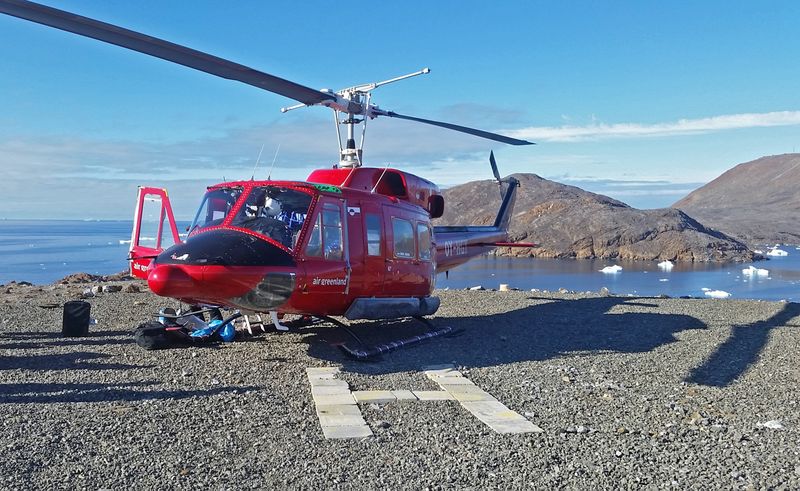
<point>630,392</point>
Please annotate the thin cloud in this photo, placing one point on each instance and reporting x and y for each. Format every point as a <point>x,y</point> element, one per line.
<point>598,131</point>
<point>643,192</point>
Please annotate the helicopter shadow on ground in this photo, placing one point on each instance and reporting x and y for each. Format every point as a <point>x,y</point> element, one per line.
<point>39,393</point>
<point>77,360</point>
<point>539,332</point>
<point>59,335</point>
<point>741,350</point>
<point>36,340</point>
<point>25,362</point>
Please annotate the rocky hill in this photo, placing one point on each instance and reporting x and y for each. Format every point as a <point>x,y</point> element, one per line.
<point>569,222</point>
<point>756,202</point>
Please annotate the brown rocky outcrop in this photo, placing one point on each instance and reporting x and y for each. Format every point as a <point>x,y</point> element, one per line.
<point>569,222</point>
<point>757,202</point>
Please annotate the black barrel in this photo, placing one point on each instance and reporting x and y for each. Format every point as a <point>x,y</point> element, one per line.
<point>76,318</point>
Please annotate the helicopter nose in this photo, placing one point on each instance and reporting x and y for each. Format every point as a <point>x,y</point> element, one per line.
<point>219,267</point>
<point>170,280</point>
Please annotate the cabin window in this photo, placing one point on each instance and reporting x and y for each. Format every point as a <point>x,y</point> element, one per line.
<point>403,232</point>
<point>216,205</point>
<point>274,211</point>
<point>424,241</point>
<point>326,236</point>
<point>373,223</point>
<point>314,247</point>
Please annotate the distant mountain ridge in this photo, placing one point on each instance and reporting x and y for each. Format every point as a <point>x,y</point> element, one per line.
<point>569,222</point>
<point>757,201</point>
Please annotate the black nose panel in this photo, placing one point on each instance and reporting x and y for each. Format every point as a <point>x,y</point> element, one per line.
<point>225,248</point>
<point>272,291</point>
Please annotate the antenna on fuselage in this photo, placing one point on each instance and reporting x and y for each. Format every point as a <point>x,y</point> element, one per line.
<point>381,177</point>
<point>269,176</point>
<point>258,159</point>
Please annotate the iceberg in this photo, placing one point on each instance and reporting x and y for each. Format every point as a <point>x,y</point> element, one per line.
<point>753,271</point>
<point>777,252</point>
<point>611,269</point>
<point>666,265</point>
<point>717,294</point>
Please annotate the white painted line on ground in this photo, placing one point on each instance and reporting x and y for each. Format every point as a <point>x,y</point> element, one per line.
<point>480,403</point>
<point>338,414</point>
<point>327,382</point>
<point>317,371</point>
<point>346,432</point>
<point>338,399</point>
<point>340,417</point>
<point>404,395</point>
<point>328,390</point>
<point>374,396</point>
<point>433,395</point>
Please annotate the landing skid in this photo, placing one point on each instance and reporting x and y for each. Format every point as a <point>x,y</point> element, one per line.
<point>364,352</point>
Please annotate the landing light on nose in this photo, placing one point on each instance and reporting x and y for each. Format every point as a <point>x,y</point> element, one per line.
<point>168,280</point>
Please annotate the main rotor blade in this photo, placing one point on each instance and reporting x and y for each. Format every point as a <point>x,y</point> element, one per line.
<point>463,129</point>
<point>159,48</point>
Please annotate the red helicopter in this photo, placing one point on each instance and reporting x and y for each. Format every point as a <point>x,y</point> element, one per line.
<point>349,241</point>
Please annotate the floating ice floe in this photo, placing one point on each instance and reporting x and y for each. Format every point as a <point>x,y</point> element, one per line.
<point>666,265</point>
<point>611,269</point>
<point>753,271</point>
<point>663,279</point>
<point>777,252</point>
<point>716,293</point>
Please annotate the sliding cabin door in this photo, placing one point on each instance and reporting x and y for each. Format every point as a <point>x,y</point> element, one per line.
<point>409,262</point>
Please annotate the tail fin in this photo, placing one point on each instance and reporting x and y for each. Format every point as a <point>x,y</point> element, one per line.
<point>508,195</point>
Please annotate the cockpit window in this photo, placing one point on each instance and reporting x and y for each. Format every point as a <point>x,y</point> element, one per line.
<point>274,211</point>
<point>216,205</point>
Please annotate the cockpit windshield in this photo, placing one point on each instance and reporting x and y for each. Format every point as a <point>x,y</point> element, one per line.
<point>276,212</point>
<point>215,207</point>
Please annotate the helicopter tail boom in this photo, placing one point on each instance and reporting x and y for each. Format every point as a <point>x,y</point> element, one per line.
<point>455,245</point>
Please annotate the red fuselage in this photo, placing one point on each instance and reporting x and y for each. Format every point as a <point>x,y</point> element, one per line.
<point>343,235</point>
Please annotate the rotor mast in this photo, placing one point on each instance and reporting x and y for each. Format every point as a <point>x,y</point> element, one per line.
<point>351,103</point>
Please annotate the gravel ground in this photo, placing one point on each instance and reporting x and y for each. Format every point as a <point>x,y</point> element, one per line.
<point>630,392</point>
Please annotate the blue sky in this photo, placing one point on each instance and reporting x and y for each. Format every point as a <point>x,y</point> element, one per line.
<point>642,101</point>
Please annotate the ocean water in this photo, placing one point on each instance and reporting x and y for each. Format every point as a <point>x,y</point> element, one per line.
<point>636,277</point>
<point>42,251</point>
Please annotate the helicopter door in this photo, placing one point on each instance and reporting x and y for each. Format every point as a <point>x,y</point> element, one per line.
<point>407,274</point>
<point>326,257</point>
<point>373,250</point>
<point>154,229</point>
